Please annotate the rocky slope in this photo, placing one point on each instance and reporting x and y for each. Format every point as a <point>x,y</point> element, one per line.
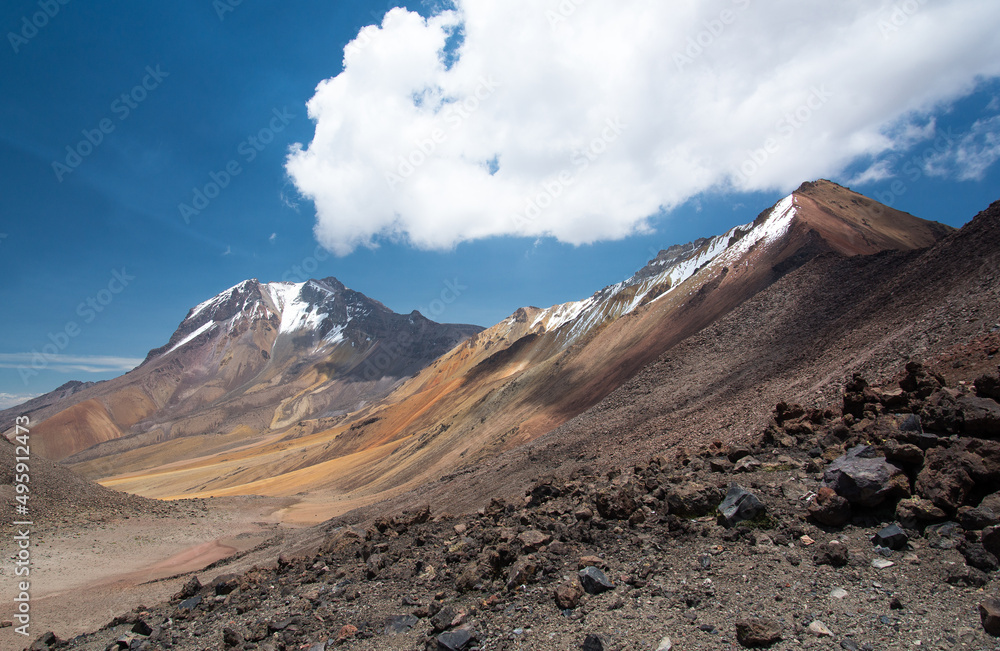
<point>872,523</point>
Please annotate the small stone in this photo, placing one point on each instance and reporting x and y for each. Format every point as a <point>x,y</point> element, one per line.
<point>593,643</point>
<point>231,637</point>
<point>891,537</point>
<point>849,645</point>
<point>755,633</point>
<point>141,627</point>
<point>568,596</point>
<point>594,581</point>
<point>398,624</point>
<point>838,593</point>
<point>895,604</point>
<point>347,632</point>
<point>989,613</point>
<point>967,576</point>
<point>833,554</point>
<point>588,561</point>
<point>819,629</point>
<point>665,644</point>
<point>534,540</point>
<point>881,564</point>
<point>454,640</point>
<point>747,464</point>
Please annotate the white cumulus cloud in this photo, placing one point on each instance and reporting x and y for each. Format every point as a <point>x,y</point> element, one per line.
<point>583,119</point>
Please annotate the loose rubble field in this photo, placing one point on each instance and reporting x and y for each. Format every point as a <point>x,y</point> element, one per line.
<point>874,524</point>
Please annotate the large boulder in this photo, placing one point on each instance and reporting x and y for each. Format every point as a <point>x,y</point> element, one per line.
<point>981,416</point>
<point>941,413</point>
<point>919,381</point>
<point>866,479</point>
<point>988,386</point>
<point>946,479</point>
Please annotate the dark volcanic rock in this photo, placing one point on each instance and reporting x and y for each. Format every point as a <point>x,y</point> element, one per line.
<point>981,416</point>
<point>988,386</point>
<point>594,581</point>
<point>892,537</point>
<point>832,554</point>
<point>946,478</point>
<point>977,518</point>
<point>399,624</point>
<point>976,556</point>
<point>593,643</point>
<point>864,478</point>
<point>225,583</point>
<point>740,505</point>
<point>454,640</point>
<point>964,575</point>
<point>989,614</point>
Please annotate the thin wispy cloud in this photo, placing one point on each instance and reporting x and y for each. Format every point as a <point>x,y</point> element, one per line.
<point>507,133</point>
<point>69,363</point>
<point>8,400</point>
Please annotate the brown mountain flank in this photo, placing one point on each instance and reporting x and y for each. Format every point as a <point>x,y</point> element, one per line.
<point>511,383</point>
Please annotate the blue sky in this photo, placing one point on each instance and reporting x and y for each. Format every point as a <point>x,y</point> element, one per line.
<point>114,117</point>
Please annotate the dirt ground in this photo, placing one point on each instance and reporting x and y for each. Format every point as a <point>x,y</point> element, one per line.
<point>82,577</point>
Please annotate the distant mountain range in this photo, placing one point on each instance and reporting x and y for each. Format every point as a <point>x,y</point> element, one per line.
<point>314,390</point>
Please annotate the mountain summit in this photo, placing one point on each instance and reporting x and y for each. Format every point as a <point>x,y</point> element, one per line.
<point>256,357</point>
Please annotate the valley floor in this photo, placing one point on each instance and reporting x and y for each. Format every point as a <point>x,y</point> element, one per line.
<point>84,574</point>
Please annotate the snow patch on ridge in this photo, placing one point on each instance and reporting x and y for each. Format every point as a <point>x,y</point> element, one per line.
<point>296,314</point>
<point>191,337</point>
<point>600,306</point>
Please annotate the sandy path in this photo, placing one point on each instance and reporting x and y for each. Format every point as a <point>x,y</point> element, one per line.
<point>84,576</point>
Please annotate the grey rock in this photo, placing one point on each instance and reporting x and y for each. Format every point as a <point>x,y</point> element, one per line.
<point>740,505</point>
<point>594,581</point>
<point>454,640</point>
<point>864,478</point>
<point>398,624</point>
